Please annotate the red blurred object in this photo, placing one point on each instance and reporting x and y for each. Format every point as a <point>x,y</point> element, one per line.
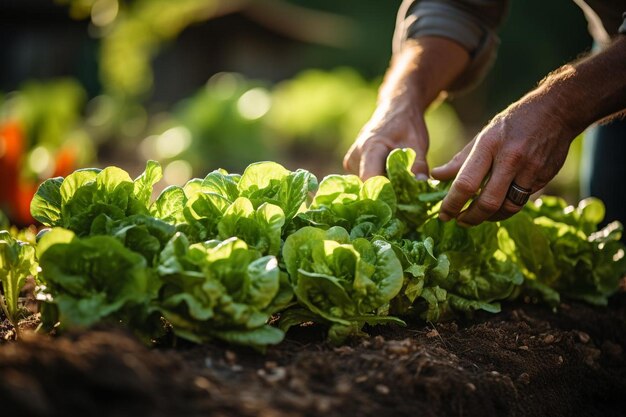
<point>11,151</point>
<point>65,162</point>
<point>23,196</point>
<point>15,194</point>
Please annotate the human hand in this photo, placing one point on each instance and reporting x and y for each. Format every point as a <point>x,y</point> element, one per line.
<point>397,124</point>
<point>526,144</point>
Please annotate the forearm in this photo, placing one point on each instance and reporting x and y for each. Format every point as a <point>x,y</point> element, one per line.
<point>587,91</point>
<point>423,69</point>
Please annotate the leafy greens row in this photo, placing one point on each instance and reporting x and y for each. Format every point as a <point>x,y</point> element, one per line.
<point>242,258</point>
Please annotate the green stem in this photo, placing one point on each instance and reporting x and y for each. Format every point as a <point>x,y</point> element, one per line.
<point>8,316</point>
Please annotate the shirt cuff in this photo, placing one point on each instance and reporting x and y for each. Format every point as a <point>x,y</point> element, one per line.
<point>432,18</point>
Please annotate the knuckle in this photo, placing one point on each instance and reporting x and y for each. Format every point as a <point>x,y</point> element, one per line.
<point>465,185</point>
<point>488,204</point>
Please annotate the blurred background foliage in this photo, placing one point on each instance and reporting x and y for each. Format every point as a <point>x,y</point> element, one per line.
<point>201,84</point>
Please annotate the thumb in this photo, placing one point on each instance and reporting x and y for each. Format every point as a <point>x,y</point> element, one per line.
<point>449,170</point>
<point>420,167</point>
<point>373,161</point>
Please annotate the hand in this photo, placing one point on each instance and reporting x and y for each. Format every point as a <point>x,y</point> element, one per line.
<point>397,125</point>
<point>526,144</point>
<point>417,75</point>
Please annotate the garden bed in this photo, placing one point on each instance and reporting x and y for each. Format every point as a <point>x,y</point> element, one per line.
<point>525,361</point>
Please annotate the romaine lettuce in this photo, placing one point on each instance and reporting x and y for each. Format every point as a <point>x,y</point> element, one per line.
<point>17,262</point>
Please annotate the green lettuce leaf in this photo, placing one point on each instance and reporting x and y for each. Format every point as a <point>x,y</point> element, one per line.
<point>364,209</point>
<point>75,201</point>
<point>455,270</point>
<point>221,290</point>
<point>415,198</point>
<point>169,205</point>
<point>269,182</point>
<point>140,233</point>
<point>589,262</point>
<point>260,228</point>
<point>343,284</point>
<point>17,262</point>
<point>96,279</point>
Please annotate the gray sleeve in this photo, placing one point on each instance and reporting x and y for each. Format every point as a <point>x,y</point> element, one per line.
<point>470,23</point>
<point>622,28</point>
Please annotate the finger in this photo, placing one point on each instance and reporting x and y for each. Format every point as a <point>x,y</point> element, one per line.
<point>420,166</point>
<point>467,182</point>
<point>352,159</point>
<point>524,180</point>
<point>449,170</point>
<point>373,161</point>
<point>492,195</point>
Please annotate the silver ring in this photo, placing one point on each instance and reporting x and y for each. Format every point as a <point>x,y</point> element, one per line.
<point>518,195</point>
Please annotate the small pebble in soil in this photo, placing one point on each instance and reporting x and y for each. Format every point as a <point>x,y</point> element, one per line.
<point>382,389</point>
<point>270,413</point>
<point>549,339</point>
<point>583,337</point>
<point>272,375</point>
<point>202,383</point>
<point>397,348</point>
<point>343,386</point>
<point>471,387</point>
<point>432,333</point>
<point>323,405</point>
<point>524,378</point>
<point>360,379</point>
<point>230,356</point>
<point>365,343</point>
<point>378,342</point>
<point>523,347</point>
<point>344,350</point>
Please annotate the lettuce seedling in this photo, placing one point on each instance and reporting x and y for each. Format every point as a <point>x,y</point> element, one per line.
<point>17,262</point>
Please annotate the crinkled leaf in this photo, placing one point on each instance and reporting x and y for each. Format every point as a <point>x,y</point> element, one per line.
<point>144,184</point>
<point>45,206</point>
<point>169,205</point>
<point>95,279</point>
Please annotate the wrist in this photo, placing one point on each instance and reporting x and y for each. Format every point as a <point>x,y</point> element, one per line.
<point>583,93</point>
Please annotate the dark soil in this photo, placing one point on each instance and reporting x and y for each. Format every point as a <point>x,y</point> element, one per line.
<point>525,361</point>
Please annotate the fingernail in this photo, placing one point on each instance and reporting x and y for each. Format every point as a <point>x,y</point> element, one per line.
<point>421,177</point>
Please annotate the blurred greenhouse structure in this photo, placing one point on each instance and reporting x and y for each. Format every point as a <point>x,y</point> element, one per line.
<point>202,84</point>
